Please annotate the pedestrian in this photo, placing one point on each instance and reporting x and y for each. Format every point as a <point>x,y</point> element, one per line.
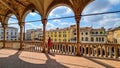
<point>49,44</point>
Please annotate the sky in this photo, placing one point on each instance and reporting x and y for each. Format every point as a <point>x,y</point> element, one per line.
<point>97,21</point>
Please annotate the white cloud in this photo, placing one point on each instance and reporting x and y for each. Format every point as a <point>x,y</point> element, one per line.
<point>97,6</point>
<point>61,11</point>
<point>32,13</point>
<point>114,2</point>
<point>110,22</point>
<point>50,26</point>
<point>106,20</point>
<point>57,20</point>
<point>66,24</point>
<point>68,11</point>
<point>32,26</point>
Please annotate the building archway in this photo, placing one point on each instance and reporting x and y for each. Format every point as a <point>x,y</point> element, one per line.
<point>60,26</point>
<point>32,25</point>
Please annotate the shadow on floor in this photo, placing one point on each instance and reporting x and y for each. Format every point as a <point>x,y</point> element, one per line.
<point>100,63</point>
<point>14,61</point>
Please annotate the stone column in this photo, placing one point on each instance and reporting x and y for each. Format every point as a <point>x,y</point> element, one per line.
<point>44,22</point>
<point>21,34</point>
<point>4,40</point>
<point>77,18</point>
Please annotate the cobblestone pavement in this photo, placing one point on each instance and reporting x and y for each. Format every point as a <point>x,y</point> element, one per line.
<point>23,59</point>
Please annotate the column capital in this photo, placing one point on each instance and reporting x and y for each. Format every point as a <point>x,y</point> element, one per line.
<point>77,18</point>
<point>4,25</point>
<point>21,24</point>
<point>44,21</point>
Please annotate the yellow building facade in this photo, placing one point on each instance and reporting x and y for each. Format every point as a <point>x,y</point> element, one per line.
<point>61,35</point>
<point>69,34</point>
<point>114,35</point>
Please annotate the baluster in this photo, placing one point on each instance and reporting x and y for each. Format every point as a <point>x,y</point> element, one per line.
<point>65,48</point>
<point>97,50</point>
<point>71,49</point>
<point>89,52</point>
<point>62,49</point>
<point>110,51</point>
<point>85,50</point>
<point>74,50</point>
<point>101,51</point>
<point>116,51</point>
<point>119,51</point>
<point>56,48</point>
<point>92,50</point>
<point>81,49</point>
<point>106,51</point>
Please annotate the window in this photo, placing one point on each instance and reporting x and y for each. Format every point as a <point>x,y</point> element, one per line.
<point>65,40</point>
<point>82,33</point>
<point>7,33</point>
<point>59,32</point>
<point>74,33</point>
<point>11,33</point>
<point>2,33</point>
<point>97,39</point>
<point>96,32</point>
<point>92,39</point>
<point>55,40</point>
<point>102,39</point>
<point>86,39</point>
<point>86,33</point>
<point>59,35</point>
<point>92,32</point>
<point>82,39</point>
<point>55,35</point>
<point>15,33</point>
<point>59,40</point>
<point>101,32</point>
<point>51,35</point>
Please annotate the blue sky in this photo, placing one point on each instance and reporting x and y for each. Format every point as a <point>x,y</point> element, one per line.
<point>98,6</point>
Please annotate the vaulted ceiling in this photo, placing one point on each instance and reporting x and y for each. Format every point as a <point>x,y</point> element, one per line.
<point>20,7</point>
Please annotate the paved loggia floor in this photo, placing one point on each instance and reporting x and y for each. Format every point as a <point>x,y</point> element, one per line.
<point>23,59</point>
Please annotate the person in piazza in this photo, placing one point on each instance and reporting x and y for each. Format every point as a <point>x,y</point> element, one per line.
<point>49,44</point>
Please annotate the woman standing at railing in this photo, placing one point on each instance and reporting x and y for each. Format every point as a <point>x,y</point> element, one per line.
<point>49,44</point>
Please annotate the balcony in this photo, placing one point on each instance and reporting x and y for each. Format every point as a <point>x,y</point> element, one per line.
<point>63,55</point>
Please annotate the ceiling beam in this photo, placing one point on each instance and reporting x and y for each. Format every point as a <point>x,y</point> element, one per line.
<point>7,6</point>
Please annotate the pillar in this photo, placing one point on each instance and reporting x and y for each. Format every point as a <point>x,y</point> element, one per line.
<point>21,35</point>
<point>77,18</point>
<point>44,22</point>
<point>4,39</point>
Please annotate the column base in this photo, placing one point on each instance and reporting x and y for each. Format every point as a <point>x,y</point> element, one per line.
<point>78,54</point>
<point>43,51</point>
<point>3,47</point>
<point>20,49</point>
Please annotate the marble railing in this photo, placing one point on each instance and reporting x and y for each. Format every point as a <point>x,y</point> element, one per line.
<point>34,46</point>
<point>86,49</point>
<point>100,50</point>
<point>63,48</point>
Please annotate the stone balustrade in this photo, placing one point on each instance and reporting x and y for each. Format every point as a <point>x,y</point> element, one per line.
<point>100,50</point>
